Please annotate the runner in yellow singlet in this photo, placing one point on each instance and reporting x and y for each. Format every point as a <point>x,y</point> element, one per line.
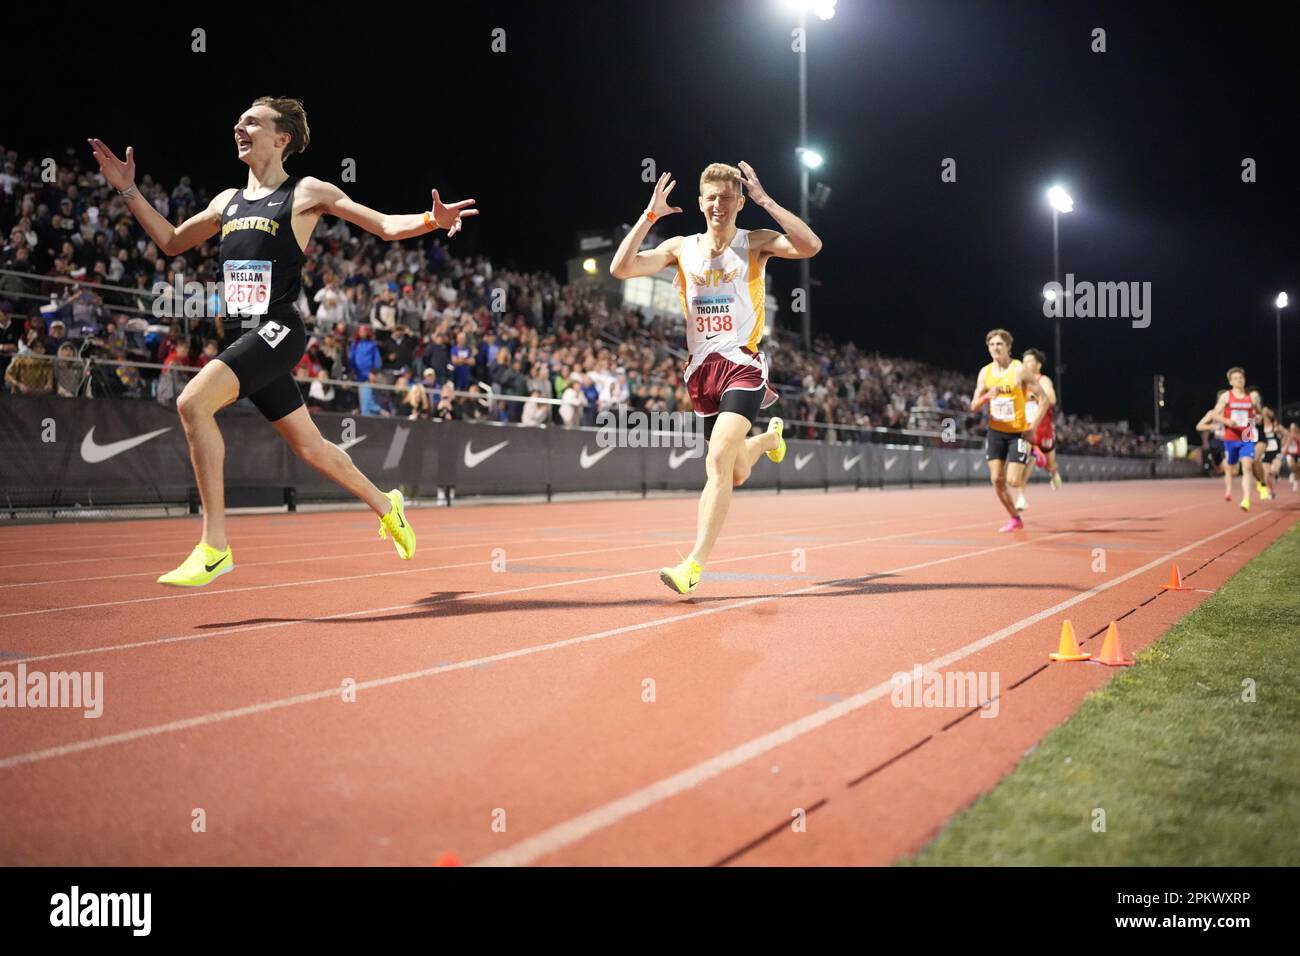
<point>1002,385</point>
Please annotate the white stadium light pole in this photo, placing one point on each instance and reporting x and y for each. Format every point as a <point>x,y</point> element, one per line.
<point>1061,202</point>
<point>1279,303</point>
<point>808,159</point>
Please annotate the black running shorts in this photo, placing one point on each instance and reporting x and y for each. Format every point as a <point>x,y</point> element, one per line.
<point>263,359</point>
<point>1011,447</point>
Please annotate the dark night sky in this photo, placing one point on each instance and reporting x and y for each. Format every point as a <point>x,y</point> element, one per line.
<point>549,137</point>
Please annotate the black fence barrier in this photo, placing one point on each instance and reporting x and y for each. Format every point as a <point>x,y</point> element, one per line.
<point>57,452</point>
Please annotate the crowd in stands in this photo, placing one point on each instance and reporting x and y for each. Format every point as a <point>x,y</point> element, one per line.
<point>398,329</point>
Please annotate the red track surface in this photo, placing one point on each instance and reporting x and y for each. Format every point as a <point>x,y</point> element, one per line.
<point>517,696</point>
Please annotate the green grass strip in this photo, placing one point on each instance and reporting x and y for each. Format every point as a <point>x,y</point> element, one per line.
<point>1187,770</point>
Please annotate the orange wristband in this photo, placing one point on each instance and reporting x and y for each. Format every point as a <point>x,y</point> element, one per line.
<point>650,215</point>
<point>428,223</point>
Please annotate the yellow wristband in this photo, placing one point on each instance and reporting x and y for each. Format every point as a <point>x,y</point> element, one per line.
<point>429,223</point>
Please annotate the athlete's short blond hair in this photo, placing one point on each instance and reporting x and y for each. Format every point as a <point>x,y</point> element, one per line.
<point>719,173</point>
<point>1002,332</point>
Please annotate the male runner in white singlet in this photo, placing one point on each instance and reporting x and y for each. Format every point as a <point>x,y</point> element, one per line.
<point>720,279</point>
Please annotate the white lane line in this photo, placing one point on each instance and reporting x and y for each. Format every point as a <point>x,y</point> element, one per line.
<point>384,553</point>
<point>199,593</point>
<point>565,834</point>
<point>298,541</point>
<point>219,716</point>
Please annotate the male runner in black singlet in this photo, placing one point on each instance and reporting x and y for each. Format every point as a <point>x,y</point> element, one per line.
<point>264,228</point>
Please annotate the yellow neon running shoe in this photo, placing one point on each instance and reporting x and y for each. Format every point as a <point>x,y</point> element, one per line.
<point>777,425</point>
<point>683,577</point>
<point>394,523</point>
<point>1264,493</point>
<point>1245,503</point>
<point>203,564</point>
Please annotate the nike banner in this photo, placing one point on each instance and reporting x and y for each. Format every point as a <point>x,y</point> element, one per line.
<point>62,451</point>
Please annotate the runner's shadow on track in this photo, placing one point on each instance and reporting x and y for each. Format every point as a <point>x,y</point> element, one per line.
<point>1098,530</point>
<point>444,604</point>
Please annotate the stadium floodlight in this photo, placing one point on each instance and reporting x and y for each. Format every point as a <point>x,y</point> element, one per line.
<point>1281,300</point>
<point>821,9</point>
<point>1061,200</point>
<point>810,158</point>
<point>589,266</point>
<point>1049,295</point>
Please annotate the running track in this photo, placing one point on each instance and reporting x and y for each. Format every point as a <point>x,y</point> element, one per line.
<point>487,697</point>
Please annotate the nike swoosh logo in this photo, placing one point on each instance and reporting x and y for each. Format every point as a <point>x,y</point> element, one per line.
<point>920,465</point>
<point>587,460</point>
<point>280,203</point>
<point>94,453</point>
<point>475,458</point>
<point>210,567</point>
<point>675,460</point>
<point>952,465</point>
<point>850,462</point>
<point>889,462</point>
<point>352,441</point>
<point>801,460</point>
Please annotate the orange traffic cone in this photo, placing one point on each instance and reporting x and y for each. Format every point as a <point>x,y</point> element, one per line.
<point>1069,647</point>
<point>1175,581</point>
<point>449,859</point>
<point>1112,652</point>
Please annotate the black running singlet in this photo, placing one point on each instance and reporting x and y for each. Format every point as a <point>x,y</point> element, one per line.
<point>260,257</point>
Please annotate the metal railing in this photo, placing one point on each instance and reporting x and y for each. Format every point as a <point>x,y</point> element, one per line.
<point>493,403</point>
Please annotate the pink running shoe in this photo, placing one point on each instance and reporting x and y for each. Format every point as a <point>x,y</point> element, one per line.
<point>1015,524</point>
<point>1039,458</point>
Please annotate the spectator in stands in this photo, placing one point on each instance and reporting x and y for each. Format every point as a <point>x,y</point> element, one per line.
<point>67,372</point>
<point>536,412</point>
<point>10,335</point>
<point>309,365</point>
<point>363,356</point>
<point>462,359</point>
<point>211,349</point>
<point>436,356</point>
<point>409,312</point>
<point>30,373</point>
<point>383,314</point>
<point>472,407</point>
<point>572,402</point>
<point>320,396</point>
<point>444,410</point>
<point>332,304</point>
<point>331,356</point>
<point>429,381</point>
<point>125,381</point>
<point>374,401</point>
<point>399,353</point>
<point>58,335</point>
<point>175,373</point>
<point>591,400</point>
<point>415,401</point>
